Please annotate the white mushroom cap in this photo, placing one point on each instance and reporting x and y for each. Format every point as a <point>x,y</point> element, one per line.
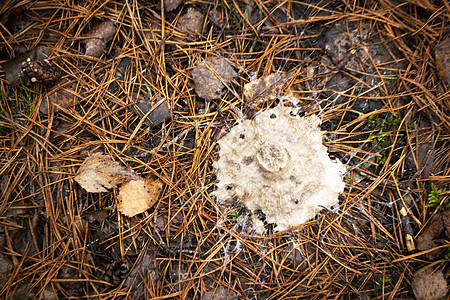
<point>276,164</point>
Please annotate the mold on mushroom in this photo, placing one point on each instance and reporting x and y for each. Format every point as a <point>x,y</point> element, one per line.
<point>277,167</point>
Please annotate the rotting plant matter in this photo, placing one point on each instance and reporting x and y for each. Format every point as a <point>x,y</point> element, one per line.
<point>277,167</point>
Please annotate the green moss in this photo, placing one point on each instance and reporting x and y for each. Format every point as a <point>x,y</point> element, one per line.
<point>235,214</point>
<point>260,46</point>
<point>435,197</point>
<point>233,13</point>
<point>382,126</point>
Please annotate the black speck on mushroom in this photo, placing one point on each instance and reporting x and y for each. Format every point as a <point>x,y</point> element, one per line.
<point>247,160</point>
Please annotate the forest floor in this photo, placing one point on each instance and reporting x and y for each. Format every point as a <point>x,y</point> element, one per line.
<point>122,78</point>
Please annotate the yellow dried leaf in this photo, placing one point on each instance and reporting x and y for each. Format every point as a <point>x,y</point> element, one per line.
<point>136,196</point>
<point>99,172</point>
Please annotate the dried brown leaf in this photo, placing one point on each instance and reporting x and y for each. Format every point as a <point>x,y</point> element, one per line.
<point>98,215</point>
<point>81,226</point>
<point>210,75</point>
<point>170,5</point>
<point>426,240</point>
<point>100,35</point>
<point>176,220</point>
<point>147,265</point>
<point>61,94</point>
<point>221,293</point>
<point>427,286</point>
<point>5,264</point>
<point>99,172</point>
<point>154,111</point>
<point>13,68</point>
<point>136,196</point>
<point>14,19</point>
<point>266,88</point>
<point>442,54</point>
<point>192,21</point>
<point>216,17</point>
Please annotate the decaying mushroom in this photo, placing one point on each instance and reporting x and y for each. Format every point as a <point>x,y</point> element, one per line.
<point>278,169</point>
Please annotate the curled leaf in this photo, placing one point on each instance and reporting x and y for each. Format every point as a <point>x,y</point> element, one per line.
<point>100,35</point>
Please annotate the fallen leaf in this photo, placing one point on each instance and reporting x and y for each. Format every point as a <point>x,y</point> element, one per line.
<point>266,88</point>
<point>426,240</point>
<point>430,286</point>
<point>136,196</point>
<point>72,283</point>
<point>422,158</point>
<point>81,227</point>
<point>30,237</point>
<point>221,293</point>
<point>26,291</point>
<point>170,5</point>
<point>13,69</point>
<point>442,54</point>
<point>210,75</point>
<point>99,172</point>
<point>141,276</point>
<point>155,111</point>
<point>176,221</point>
<point>14,19</point>
<point>192,21</point>
<point>426,158</point>
<point>62,94</point>
<point>122,68</point>
<point>145,266</point>
<point>5,264</point>
<point>216,17</point>
<point>99,36</point>
<point>98,215</point>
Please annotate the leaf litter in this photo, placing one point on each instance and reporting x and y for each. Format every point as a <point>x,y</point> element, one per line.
<point>266,88</point>
<point>192,22</point>
<point>99,36</point>
<point>99,173</point>
<point>170,5</point>
<point>154,112</point>
<point>136,196</point>
<point>442,55</point>
<point>211,76</point>
<point>61,95</point>
<point>429,237</point>
<point>428,285</point>
<point>374,72</point>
